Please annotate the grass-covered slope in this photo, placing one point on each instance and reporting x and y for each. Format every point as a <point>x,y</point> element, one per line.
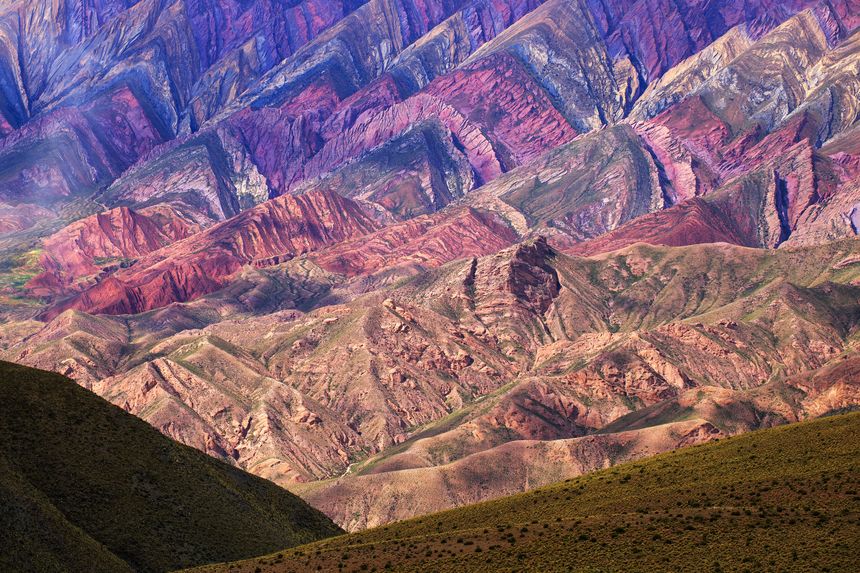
<point>85,486</point>
<point>784,499</point>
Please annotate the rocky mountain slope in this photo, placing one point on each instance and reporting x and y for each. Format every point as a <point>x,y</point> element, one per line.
<point>771,163</point>
<point>694,509</point>
<point>384,492</point>
<point>88,487</point>
<point>346,245</point>
<point>484,358</point>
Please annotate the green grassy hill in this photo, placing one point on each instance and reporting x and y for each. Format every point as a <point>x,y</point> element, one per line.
<point>84,486</point>
<point>784,499</point>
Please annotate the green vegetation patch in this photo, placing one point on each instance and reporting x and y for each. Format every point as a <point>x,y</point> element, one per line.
<point>85,486</point>
<point>784,499</point>
<point>17,269</point>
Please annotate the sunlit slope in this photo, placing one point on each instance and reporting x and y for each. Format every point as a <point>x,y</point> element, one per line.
<point>783,499</point>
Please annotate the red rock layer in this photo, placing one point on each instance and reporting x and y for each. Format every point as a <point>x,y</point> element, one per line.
<point>428,241</point>
<point>104,242</point>
<point>689,223</point>
<point>283,227</point>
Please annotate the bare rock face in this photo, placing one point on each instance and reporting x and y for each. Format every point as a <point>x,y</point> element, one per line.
<point>483,244</point>
<point>104,243</point>
<point>95,97</point>
<point>511,294</point>
<point>276,99</point>
<point>497,449</point>
<point>659,34</point>
<point>203,262</point>
<point>413,174</point>
<point>217,47</point>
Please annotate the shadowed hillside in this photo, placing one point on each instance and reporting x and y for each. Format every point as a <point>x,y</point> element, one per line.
<point>85,486</point>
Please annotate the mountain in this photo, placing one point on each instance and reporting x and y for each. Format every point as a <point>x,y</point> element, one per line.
<point>488,245</point>
<point>267,234</point>
<point>678,511</point>
<point>88,487</point>
<point>383,491</point>
<point>263,106</point>
<point>775,163</point>
<point>488,358</point>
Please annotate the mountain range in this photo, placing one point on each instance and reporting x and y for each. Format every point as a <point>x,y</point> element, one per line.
<point>480,245</point>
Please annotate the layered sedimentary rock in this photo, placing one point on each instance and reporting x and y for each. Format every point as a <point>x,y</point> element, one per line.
<point>285,95</point>
<point>90,90</point>
<point>573,188</point>
<point>772,159</point>
<point>71,151</point>
<point>347,239</point>
<point>105,242</point>
<point>528,344</point>
<point>212,49</point>
<point>427,242</point>
<point>274,231</point>
<point>690,223</point>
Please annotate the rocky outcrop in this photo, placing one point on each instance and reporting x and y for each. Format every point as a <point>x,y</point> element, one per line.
<point>416,173</point>
<point>90,90</point>
<point>210,178</point>
<point>103,243</point>
<point>284,95</point>
<point>202,263</point>
<point>474,124</point>
<point>450,43</point>
<point>659,34</point>
<point>497,93</point>
<point>761,159</point>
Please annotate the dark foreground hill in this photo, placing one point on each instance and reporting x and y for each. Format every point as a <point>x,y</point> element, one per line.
<point>84,486</point>
<point>783,499</point>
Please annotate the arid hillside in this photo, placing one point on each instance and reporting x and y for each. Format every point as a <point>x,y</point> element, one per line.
<point>716,506</point>
<point>484,245</point>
